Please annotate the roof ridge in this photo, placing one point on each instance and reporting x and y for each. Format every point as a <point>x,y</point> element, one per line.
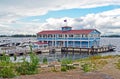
<point>80,31</point>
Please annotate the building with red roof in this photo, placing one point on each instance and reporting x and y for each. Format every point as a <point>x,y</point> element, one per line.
<point>66,37</point>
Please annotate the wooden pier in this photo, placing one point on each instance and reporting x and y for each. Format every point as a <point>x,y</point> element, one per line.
<point>11,51</point>
<point>89,51</point>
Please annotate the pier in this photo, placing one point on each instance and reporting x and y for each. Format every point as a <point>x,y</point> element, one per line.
<point>18,51</point>
<point>89,51</point>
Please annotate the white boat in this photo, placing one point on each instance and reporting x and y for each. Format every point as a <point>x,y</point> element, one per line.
<point>5,42</point>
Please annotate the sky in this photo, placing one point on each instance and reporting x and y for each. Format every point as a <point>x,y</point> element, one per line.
<point>33,16</point>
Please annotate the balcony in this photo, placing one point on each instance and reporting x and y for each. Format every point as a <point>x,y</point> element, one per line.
<point>45,39</point>
<point>69,39</point>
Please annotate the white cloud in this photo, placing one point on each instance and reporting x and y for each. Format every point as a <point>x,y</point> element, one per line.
<point>13,10</point>
<point>21,8</point>
<point>40,7</point>
<point>107,24</point>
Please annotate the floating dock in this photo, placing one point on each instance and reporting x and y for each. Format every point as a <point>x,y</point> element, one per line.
<point>89,51</point>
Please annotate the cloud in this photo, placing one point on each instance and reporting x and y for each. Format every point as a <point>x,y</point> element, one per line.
<point>11,11</point>
<point>106,22</point>
<point>41,7</point>
<point>21,28</point>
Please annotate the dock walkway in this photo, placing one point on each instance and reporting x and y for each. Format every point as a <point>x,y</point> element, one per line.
<point>64,50</point>
<point>89,51</point>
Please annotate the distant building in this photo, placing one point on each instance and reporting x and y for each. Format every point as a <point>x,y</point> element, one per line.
<point>66,37</point>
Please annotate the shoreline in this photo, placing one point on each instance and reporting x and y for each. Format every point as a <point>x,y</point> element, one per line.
<point>107,71</point>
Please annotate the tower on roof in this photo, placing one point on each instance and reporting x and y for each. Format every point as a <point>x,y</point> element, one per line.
<point>66,28</point>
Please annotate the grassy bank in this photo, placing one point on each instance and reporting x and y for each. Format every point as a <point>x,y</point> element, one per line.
<point>99,63</point>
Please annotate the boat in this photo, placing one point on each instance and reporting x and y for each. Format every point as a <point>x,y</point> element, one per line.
<point>5,42</point>
<point>8,43</point>
<point>111,47</point>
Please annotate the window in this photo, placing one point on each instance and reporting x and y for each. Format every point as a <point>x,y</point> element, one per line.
<point>84,35</point>
<point>60,35</point>
<point>39,36</point>
<point>65,36</point>
<point>80,35</point>
<point>54,36</point>
<point>50,35</point>
<point>71,35</point>
<point>95,35</point>
<point>77,35</point>
<point>44,36</point>
<point>98,35</point>
<point>89,35</point>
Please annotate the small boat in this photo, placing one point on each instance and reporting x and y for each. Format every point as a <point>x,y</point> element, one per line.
<point>111,47</point>
<point>5,42</point>
<point>8,42</point>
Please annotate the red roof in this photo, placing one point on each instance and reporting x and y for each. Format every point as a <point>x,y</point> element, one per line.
<point>83,31</point>
<point>40,43</point>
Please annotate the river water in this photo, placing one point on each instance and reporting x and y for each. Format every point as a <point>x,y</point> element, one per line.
<point>55,57</point>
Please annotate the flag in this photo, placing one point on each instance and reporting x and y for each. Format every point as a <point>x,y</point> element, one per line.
<point>65,20</point>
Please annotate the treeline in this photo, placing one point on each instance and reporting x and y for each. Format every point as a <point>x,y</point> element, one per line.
<point>18,35</point>
<point>110,36</point>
